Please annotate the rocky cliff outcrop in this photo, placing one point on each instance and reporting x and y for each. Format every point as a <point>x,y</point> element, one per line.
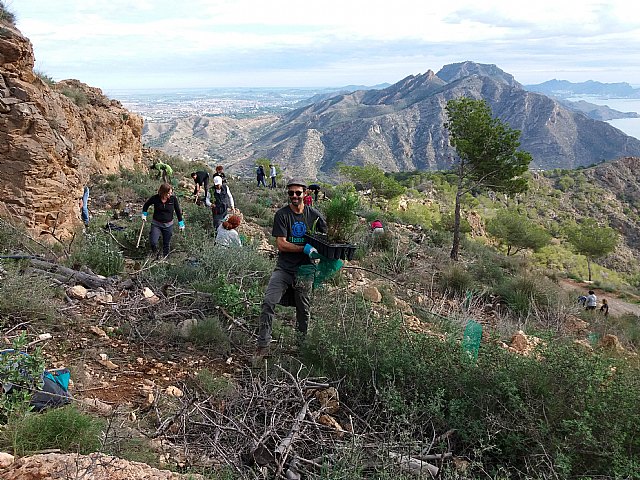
<point>53,138</point>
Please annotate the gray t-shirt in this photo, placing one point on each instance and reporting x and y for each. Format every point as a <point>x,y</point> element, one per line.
<point>293,226</point>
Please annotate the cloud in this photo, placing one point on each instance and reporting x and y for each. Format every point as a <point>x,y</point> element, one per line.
<point>356,40</point>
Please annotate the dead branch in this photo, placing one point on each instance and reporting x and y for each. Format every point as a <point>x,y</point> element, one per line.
<point>413,465</point>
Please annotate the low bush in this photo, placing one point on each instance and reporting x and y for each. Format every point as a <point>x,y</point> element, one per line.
<point>76,95</point>
<point>6,15</point>
<point>209,333</point>
<point>98,251</point>
<point>521,417</point>
<point>22,374</point>
<point>45,78</point>
<point>218,387</point>
<point>525,292</point>
<point>26,297</point>
<point>64,428</point>
<point>455,280</point>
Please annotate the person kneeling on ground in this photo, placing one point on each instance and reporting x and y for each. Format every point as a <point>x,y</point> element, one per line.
<point>164,203</point>
<point>377,228</point>
<point>227,234</point>
<point>289,227</point>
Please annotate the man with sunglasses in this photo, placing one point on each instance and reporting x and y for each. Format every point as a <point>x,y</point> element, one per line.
<point>289,227</point>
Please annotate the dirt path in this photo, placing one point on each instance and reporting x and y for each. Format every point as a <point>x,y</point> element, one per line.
<point>617,306</point>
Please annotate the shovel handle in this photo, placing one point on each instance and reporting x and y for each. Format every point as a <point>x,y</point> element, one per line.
<point>140,235</point>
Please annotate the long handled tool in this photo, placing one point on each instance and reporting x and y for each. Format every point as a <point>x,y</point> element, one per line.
<point>140,235</point>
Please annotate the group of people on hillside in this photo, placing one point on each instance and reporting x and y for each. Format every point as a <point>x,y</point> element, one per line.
<point>590,303</point>
<point>165,205</point>
<point>290,225</point>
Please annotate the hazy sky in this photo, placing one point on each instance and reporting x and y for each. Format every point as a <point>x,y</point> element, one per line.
<point>243,43</point>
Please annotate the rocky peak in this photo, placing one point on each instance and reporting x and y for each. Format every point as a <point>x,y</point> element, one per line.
<point>456,71</point>
<point>53,138</point>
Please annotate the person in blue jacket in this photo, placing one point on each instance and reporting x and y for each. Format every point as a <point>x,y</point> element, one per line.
<point>164,204</point>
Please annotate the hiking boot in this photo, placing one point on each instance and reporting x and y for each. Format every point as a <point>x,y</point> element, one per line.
<point>259,356</point>
<point>262,352</point>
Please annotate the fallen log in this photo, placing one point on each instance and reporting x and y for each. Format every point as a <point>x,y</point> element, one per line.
<point>69,275</point>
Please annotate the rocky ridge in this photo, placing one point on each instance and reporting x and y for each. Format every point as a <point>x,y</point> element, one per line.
<point>400,128</point>
<point>53,138</point>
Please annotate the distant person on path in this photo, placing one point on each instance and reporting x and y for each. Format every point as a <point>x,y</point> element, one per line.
<point>227,234</point>
<point>223,202</point>
<point>201,179</point>
<point>592,301</point>
<point>164,204</point>
<point>604,309</point>
<point>273,173</point>
<point>582,300</point>
<point>84,206</point>
<point>308,200</point>
<point>220,173</point>
<point>290,224</point>
<point>315,188</point>
<point>260,175</point>
<point>164,170</point>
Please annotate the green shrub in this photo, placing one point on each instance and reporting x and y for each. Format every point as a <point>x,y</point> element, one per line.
<point>525,292</point>
<point>78,96</point>
<point>6,16</point>
<point>218,387</point>
<point>340,214</point>
<point>210,333</point>
<point>98,251</point>
<point>24,372</point>
<point>64,428</point>
<point>45,78</point>
<point>527,417</point>
<point>18,303</point>
<point>455,280</point>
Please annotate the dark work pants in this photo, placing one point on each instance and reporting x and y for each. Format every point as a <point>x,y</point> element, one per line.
<point>279,282</point>
<point>166,231</point>
<point>273,182</point>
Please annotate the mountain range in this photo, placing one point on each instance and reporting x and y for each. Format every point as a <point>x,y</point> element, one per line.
<point>400,127</point>
<point>564,88</point>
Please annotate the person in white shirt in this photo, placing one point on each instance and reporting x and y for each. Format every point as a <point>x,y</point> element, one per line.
<point>227,234</point>
<point>273,174</point>
<point>592,301</point>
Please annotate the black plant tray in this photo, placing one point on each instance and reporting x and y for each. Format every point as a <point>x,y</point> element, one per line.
<point>320,242</point>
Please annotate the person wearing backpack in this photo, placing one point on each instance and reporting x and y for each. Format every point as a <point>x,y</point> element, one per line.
<point>223,202</point>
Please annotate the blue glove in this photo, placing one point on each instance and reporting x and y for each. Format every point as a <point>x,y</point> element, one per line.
<point>144,216</point>
<point>181,224</point>
<point>309,250</point>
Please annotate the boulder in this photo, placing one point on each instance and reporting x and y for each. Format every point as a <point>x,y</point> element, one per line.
<point>6,459</point>
<point>372,294</point>
<point>96,466</point>
<point>77,292</point>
